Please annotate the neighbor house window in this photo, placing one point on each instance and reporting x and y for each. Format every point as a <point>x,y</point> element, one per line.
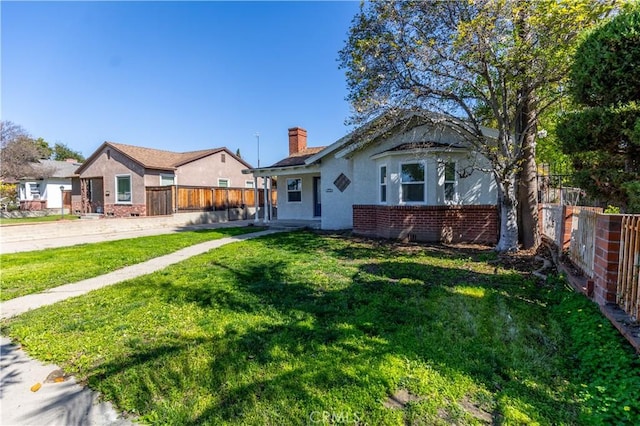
<point>383,184</point>
<point>167,180</point>
<point>412,179</point>
<point>223,183</point>
<point>248,184</point>
<point>294,190</point>
<point>450,181</point>
<point>123,189</point>
<point>223,158</point>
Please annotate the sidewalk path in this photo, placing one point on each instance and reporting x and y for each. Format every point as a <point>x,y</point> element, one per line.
<point>19,238</point>
<point>67,403</point>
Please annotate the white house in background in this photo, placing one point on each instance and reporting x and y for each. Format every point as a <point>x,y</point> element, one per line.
<point>409,178</point>
<point>41,190</point>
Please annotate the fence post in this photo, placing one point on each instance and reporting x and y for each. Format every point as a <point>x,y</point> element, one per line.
<point>607,255</point>
<point>567,221</point>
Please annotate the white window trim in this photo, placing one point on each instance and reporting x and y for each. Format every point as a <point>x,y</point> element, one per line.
<point>454,181</point>
<point>249,184</point>
<point>228,182</point>
<point>131,188</point>
<point>380,184</point>
<point>298,190</point>
<point>424,184</point>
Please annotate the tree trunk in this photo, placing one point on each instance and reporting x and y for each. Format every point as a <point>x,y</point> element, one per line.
<point>529,233</point>
<point>508,204</point>
<point>526,127</point>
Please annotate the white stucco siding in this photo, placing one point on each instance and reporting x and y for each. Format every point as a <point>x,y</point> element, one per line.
<point>336,204</point>
<point>302,209</point>
<point>476,187</point>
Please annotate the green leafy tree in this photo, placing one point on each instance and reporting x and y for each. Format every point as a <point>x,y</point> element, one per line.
<point>494,62</point>
<point>603,136</point>
<point>17,152</point>
<point>62,152</point>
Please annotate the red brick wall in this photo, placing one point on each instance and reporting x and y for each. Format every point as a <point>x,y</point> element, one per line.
<point>607,256</point>
<point>470,224</point>
<point>124,210</point>
<point>32,204</point>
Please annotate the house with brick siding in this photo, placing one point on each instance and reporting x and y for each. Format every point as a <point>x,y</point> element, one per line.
<point>403,178</point>
<point>115,179</point>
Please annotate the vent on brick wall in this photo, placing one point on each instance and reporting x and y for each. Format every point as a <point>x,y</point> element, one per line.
<point>412,237</point>
<point>342,182</point>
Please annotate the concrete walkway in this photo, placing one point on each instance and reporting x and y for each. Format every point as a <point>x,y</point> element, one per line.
<point>67,403</point>
<point>29,237</point>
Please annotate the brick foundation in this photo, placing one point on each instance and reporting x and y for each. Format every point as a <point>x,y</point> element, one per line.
<point>124,210</point>
<point>33,205</point>
<point>456,224</point>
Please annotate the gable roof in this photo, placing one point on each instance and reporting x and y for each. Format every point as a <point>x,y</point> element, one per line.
<point>299,158</point>
<point>388,123</point>
<point>52,169</point>
<point>158,159</point>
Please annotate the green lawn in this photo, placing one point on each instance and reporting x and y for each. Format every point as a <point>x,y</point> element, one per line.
<point>49,218</point>
<point>305,328</point>
<point>35,271</point>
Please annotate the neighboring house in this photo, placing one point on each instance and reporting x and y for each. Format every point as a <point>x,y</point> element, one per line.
<point>408,179</point>
<point>41,190</point>
<point>116,178</point>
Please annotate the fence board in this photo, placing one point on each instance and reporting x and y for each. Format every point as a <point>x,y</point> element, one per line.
<point>552,222</point>
<point>159,200</point>
<point>583,240</point>
<point>628,292</point>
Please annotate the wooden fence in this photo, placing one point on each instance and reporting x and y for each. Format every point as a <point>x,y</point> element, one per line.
<point>208,198</point>
<point>605,247</point>
<point>628,292</point>
<point>583,239</point>
<point>164,200</point>
<point>160,200</point>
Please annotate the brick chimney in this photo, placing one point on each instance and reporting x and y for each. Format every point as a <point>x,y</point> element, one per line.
<point>297,140</point>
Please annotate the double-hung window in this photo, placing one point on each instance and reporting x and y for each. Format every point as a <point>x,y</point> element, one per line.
<point>383,184</point>
<point>123,189</point>
<point>412,181</point>
<point>294,190</point>
<point>450,181</point>
<point>223,183</point>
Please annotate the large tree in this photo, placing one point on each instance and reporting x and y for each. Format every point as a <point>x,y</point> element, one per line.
<point>495,62</point>
<point>62,152</point>
<point>603,135</point>
<point>17,151</point>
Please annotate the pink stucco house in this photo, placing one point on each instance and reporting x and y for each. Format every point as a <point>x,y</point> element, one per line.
<point>117,179</point>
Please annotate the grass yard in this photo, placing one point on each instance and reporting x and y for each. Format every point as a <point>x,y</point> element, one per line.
<point>23,220</point>
<point>35,271</point>
<point>306,328</point>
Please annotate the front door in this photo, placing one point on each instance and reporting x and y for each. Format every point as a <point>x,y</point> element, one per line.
<point>317,192</point>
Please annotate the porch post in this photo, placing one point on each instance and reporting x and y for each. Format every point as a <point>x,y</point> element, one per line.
<point>270,198</point>
<point>266,201</point>
<point>256,200</point>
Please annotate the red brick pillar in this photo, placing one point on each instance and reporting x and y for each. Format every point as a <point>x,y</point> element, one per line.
<point>606,258</point>
<point>567,215</point>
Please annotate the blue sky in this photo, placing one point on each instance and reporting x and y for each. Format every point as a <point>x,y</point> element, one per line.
<point>178,76</point>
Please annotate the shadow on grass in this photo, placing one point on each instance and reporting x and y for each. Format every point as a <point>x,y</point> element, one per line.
<point>339,337</point>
